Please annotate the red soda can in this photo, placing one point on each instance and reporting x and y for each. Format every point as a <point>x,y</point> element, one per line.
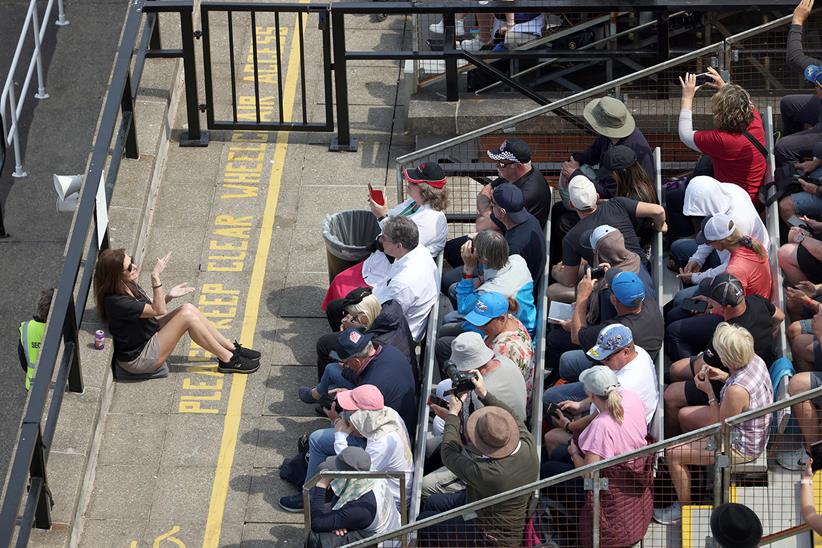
<point>99,339</point>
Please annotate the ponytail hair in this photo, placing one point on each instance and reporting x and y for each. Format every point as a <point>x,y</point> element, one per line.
<point>747,242</point>
<point>513,306</point>
<point>614,402</point>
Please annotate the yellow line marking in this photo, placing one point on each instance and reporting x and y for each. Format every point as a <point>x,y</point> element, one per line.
<point>219,489</point>
<point>688,512</point>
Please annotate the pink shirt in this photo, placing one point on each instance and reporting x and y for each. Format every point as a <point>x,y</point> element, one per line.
<point>607,438</point>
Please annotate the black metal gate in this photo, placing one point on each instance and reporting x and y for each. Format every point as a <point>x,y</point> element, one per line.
<point>246,82</point>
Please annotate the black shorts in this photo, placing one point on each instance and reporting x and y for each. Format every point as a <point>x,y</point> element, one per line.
<point>809,265</point>
<point>695,396</point>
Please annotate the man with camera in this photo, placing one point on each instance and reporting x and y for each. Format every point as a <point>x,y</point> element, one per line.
<point>469,354</point>
<point>500,455</point>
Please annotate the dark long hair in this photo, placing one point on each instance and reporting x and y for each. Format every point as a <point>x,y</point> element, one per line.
<point>108,275</point>
<point>635,183</point>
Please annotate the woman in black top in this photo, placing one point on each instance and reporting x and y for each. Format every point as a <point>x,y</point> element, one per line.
<point>145,332</point>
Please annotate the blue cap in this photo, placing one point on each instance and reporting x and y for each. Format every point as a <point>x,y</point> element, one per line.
<point>627,288</point>
<point>489,305</point>
<point>511,199</point>
<point>350,342</point>
<point>813,74</point>
<point>612,338</point>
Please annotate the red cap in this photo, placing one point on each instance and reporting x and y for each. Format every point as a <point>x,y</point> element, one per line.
<point>367,397</point>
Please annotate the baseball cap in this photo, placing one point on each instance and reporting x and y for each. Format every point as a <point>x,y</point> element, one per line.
<point>582,193</point>
<point>619,157</point>
<point>365,396</point>
<point>627,288</point>
<point>350,342</point>
<point>510,198</point>
<point>429,173</point>
<point>711,357</point>
<point>489,305</point>
<point>590,238</point>
<point>511,150</point>
<point>599,380</point>
<point>813,74</point>
<point>468,351</point>
<point>725,289</point>
<point>355,296</point>
<point>612,338</point>
<point>715,228</point>
<point>350,459</point>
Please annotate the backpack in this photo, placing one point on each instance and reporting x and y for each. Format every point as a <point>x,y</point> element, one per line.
<point>293,470</point>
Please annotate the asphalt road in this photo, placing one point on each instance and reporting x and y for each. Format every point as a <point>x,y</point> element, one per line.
<point>57,138</point>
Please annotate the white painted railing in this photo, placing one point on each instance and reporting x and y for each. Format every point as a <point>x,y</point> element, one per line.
<point>11,104</point>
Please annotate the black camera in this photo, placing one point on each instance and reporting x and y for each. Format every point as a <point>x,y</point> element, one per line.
<point>597,273</point>
<point>461,381</point>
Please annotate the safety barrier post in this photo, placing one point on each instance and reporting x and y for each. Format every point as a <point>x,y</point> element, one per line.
<point>452,92</point>
<point>343,141</point>
<point>193,137</point>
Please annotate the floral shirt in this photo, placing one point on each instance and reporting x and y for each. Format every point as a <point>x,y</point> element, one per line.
<point>516,346</point>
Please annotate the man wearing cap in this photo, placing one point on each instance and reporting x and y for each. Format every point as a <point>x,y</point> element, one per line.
<point>522,231</point>
<point>727,301</point>
<point>503,456</point>
<point>634,368</point>
<point>801,114</point>
<point>615,125</point>
<point>634,309</point>
<point>620,213</point>
<point>513,163</point>
<point>357,509</point>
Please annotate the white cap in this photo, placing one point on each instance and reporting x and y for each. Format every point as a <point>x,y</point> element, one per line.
<point>599,380</point>
<point>582,193</point>
<point>716,228</point>
<point>600,232</point>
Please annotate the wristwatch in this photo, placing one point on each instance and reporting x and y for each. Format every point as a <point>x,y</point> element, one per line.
<point>800,238</point>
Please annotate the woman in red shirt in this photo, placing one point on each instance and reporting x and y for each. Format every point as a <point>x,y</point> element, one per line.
<point>736,159</point>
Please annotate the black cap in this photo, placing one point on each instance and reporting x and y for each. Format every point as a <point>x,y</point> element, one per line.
<point>355,296</point>
<point>726,290</point>
<point>511,150</point>
<point>619,157</point>
<point>735,526</point>
<point>711,358</point>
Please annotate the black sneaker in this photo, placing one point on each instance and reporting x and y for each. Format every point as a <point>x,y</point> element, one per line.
<point>246,352</point>
<point>292,503</point>
<point>238,364</point>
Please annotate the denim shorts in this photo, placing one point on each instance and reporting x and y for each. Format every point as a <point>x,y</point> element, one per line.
<point>807,204</point>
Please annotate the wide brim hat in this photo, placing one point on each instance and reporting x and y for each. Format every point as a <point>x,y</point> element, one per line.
<point>479,435</point>
<point>735,526</point>
<point>594,115</point>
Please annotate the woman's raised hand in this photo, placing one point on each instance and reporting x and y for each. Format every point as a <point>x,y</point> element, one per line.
<point>160,266</point>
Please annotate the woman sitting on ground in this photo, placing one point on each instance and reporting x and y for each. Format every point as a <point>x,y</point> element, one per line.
<point>347,510</point>
<point>426,203</point>
<point>386,322</point>
<point>738,382</point>
<point>144,331</point>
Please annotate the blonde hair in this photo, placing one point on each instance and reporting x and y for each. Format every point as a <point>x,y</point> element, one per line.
<point>736,238</point>
<point>437,198</point>
<point>365,311</point>
<point>734,345</point>
<point>613,400</point>
<point>732,109</point>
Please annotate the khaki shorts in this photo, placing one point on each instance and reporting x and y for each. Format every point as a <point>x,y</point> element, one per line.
<point>148,361</point>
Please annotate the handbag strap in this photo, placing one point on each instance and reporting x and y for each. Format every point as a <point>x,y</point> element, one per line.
<point>755,142</point>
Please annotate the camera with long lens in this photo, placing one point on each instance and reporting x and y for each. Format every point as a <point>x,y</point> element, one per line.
<point>461,381</point>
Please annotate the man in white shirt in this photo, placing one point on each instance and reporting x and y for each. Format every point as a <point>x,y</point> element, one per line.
<point>413,279</point>
<point>635,370</point>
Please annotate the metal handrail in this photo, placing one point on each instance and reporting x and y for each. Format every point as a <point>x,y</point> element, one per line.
<point>11,134</point>
<point>588,469</point>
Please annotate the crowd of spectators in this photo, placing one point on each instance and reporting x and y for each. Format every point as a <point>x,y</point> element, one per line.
<point>601,393</point>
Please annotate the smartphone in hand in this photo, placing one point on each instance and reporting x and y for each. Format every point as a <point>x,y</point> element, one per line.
<point>795,220</point>
<point>377,195</point>
<point>703,78</point>
<point>436,400</point>
<point>694,306</point>
<point>816,455</point>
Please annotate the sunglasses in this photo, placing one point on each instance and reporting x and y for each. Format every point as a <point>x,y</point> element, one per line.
<point>131,266</point>
<point>503,165</point>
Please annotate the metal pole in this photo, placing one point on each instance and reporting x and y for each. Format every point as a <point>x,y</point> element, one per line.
<point>61,15</point>
<point>75,374</point>
<point>41,84</point>
<point>452,92</point>
<point>343,141</point>
<point>596,509</point>
<point>37,471</point>
<point>132,149</point>
<point>18,159</point>
<point>193,137</point>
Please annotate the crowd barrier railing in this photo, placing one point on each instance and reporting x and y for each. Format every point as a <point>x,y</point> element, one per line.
<point>774,497</point>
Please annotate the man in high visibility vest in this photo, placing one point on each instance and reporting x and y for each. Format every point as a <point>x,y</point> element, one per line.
<point>31,336</point>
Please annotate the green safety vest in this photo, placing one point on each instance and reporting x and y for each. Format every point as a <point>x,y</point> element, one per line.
<point>31,335</point>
